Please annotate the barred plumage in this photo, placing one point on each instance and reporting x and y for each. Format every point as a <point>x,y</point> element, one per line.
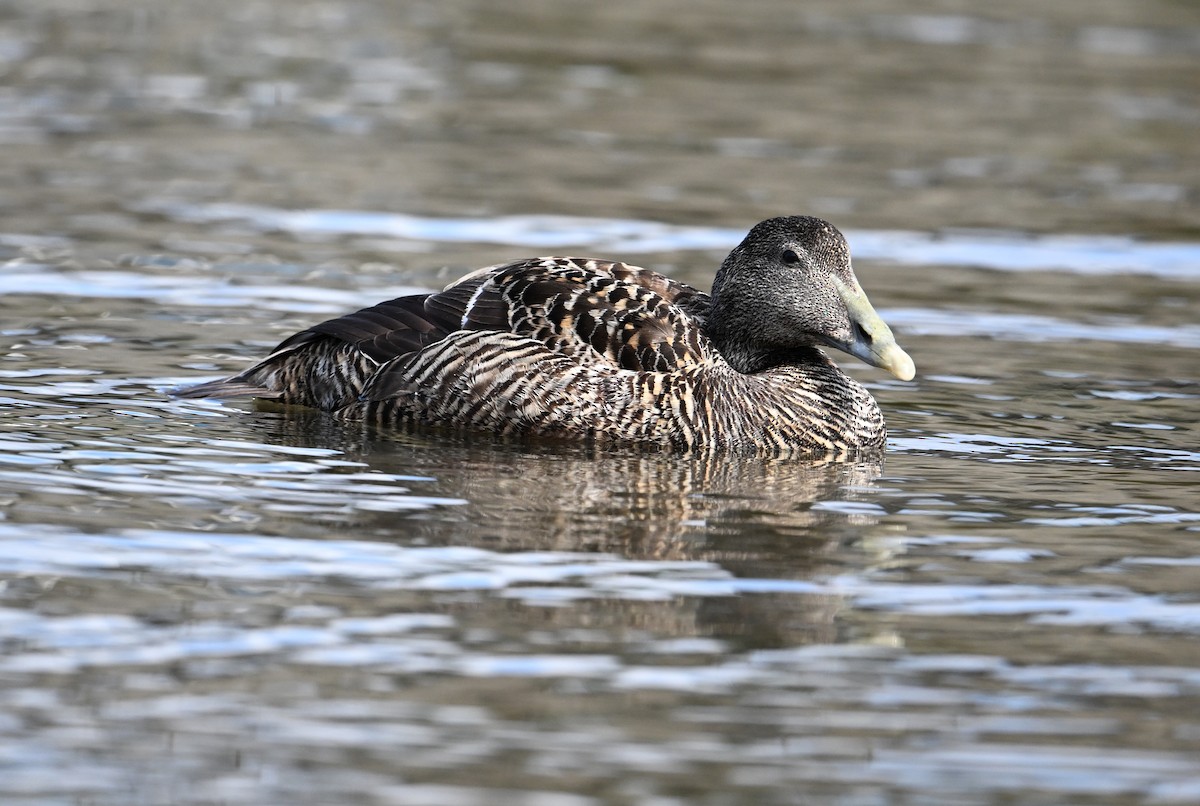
<point>603,351</point>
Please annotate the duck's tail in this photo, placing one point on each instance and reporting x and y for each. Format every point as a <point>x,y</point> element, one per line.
<point>235,386</point>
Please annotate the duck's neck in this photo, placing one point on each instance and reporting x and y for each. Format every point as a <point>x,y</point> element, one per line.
<point>751,359</point>
<point>810,407</point>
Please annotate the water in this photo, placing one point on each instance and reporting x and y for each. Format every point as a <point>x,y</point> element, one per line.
<point>207,603</point>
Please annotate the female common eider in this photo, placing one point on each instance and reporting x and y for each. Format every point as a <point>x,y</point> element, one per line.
<point>611,353</point>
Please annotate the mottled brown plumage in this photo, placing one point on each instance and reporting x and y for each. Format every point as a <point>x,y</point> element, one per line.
<point>612,353</point>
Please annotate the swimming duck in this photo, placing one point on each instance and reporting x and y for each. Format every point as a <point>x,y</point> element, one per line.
<point>611,353</point>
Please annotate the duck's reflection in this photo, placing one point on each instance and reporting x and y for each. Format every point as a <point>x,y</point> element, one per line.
<point>760,518</point>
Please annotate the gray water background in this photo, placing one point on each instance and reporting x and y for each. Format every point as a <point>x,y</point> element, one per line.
<point>206,603</point>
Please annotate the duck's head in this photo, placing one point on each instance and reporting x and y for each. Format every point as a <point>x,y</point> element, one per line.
<point>789,286</point>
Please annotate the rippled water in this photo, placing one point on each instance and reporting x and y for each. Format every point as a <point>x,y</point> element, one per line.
<point>207,602</point>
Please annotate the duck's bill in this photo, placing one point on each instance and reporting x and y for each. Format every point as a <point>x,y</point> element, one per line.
<point>891,358</point>
<point>872,339</point>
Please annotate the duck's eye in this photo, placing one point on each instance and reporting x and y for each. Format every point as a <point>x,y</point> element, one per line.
<point>790,258</point>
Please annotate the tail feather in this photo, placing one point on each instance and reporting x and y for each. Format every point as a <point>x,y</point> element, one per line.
<point>225,388</point>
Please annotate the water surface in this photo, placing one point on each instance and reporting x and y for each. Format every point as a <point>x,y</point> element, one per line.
<point>207,602</point>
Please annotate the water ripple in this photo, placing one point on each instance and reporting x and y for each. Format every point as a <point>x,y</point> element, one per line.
<point>1035,328</point>
<point>552,578</point>
<point>184,291</point>
<point>1093,255</point>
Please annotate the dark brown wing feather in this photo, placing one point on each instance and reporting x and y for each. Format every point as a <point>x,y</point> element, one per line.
<point>326,365</point>
<point>586,309</point>
<point>383,331</point>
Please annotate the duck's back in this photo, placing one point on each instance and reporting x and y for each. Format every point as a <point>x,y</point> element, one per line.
<point>540,317</point>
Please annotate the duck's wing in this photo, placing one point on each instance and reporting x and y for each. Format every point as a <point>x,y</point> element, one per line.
<point>327,364</point>
<point>586,309</point>
<point>635,318</point>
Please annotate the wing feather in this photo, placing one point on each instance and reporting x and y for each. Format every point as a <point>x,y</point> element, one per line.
<point>580,308</point>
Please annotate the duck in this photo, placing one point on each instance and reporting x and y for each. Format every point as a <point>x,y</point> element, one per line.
<point>609,353</point>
